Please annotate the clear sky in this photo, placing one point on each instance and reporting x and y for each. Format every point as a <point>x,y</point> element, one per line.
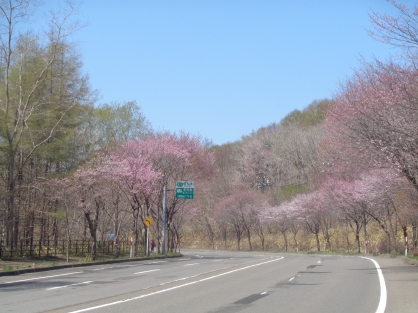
<point>223,68</point>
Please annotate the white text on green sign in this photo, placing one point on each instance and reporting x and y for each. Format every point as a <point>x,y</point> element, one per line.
<point>184,190</point>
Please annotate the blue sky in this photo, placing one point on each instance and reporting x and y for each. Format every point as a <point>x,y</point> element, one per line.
<point>223,68</point>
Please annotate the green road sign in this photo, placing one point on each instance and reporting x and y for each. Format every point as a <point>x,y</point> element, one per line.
<point>184,190</point>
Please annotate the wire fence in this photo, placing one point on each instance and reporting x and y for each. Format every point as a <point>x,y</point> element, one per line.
<point>58,248</point>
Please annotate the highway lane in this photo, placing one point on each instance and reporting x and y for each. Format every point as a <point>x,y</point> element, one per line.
<point>39,292</point>
<point>206,281</point>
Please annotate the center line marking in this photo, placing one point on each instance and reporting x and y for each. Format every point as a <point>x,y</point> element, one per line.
<point>190,264</point>
<point>86,282</point>
<point>147,271</point>
<point>36,278</point>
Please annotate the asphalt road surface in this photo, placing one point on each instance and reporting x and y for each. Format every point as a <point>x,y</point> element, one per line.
<point>220,282</point>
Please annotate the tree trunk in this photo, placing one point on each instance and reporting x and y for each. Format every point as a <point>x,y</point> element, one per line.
<point>135,214</point>
<point>11,197</point>
<point>93,232</point>
<point>250,246</point>
<point>414,237</point>
<point>210,233</point>
<point>393,231</point>
<point>294,232</point>
<point>358,241</point>
<point>260,233</point>
<point>92,223</point>
<point>224,232</point>
<point>238,238</point>
<point>366,238</point>
<point>116,235</point>
<point>318,246</point>
<point>285,240</point>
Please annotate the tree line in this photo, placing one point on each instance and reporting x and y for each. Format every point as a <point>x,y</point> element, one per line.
<point>339,175</point>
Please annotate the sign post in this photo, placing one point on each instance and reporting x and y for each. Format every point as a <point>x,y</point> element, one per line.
<point>147,223</point>
<point>131,242</point>
<point>164,220</point>
<point>184,190</point>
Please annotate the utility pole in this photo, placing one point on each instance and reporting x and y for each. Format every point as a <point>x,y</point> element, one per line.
<point>164,220</point>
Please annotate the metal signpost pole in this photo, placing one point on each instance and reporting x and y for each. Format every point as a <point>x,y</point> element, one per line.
<point>147,248</point>
<point>130,250</point>
<point>164,220</point>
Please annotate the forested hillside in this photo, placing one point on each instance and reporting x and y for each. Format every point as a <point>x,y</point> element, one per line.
<point>340,175</point>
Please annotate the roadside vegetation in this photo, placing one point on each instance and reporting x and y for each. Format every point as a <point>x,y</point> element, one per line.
<point>340,175</point>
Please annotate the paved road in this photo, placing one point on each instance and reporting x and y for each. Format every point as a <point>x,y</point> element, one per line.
<point>220,282</point>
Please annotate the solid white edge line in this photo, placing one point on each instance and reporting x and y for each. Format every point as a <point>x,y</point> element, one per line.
<point>172,288</point>
<point>147,271</point>
<point>36,278</point>
<point>383,292</point>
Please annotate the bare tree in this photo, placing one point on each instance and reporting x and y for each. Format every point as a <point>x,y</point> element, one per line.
<point>29,68</point>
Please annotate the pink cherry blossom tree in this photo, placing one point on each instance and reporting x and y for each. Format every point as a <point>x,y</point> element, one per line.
<point>88,187</point>
<point>368,196</point>
<point>278,216</point>
<point>131,171</point>
<point>240,211</point>
<point>311,207</point>
<point>373,119</point>
<point>399,31</point>
<point>175,158</point>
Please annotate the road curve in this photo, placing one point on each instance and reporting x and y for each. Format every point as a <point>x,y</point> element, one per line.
<point>220,282</point>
